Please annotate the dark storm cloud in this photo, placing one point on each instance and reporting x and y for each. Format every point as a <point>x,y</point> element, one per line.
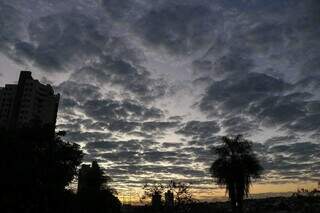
<point>281,139</point>
<point>237,94</point>
<point>122,126</point>
<point>134,151</point>
<point>122,10</point>
<point>297,160</point>
<point>298,149</point>
<point>120,145</point>
<point>80,136</point>
<point>259,60</point>
<point>166,156</point>
<point>266,99</point>
<point>199,129</point>
<point>230,64</point>
<point>205,142</point>
<point>311,83</point>
<point>132,145</point>
<point>131,76</point>
<point>76,41</point>
<point>10,24</point>
<point>78,92</point>
<point>202,154</point>
<point>249,46</point>
<point>113,126</point>
<point>172,145</point>
<point>307,123</point>
<point>158,126</point>
<point>108,109</point>
<point>123,157</point>
<point>157,169</point>
<point>108,114</point>
<point>59,40</point>
<point>69,126</point>
<point>240,125</point>
<point>262,31</point>
<point>180,28</point>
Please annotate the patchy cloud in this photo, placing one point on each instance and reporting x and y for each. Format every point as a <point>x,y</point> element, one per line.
<point>201,129</point>
<point>149,87</point>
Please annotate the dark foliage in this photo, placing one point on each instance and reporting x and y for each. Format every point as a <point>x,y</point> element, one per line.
<point>36,167</point>
<point>235,167</point>
<point>94,193</point>
<point>173,197</point>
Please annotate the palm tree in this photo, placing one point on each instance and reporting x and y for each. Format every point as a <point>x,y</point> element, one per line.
<point>235,167</point>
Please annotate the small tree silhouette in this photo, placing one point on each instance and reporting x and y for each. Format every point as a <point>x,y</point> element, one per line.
<point>177,197</point>
<point>235,167</point>
<point>154,191</point>
<point>94,192</point>
<point>182,196</point>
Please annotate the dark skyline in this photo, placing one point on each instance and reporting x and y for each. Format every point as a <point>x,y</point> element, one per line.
<point>147,88</point>
<point>27,101</point>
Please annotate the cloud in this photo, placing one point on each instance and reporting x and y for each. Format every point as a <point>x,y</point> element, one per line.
<point>179,28</point>
<point>156,126</point>
<point>240,125</point>
<point>107,109</point>
<point>298,160</point>
<point>60,40</point>
<point>132,77</point>
<point>229,64</point>
<point>78,92</point>
<point>251,66</point>
<point>78,42</point>
<point>237,94</point>
<point>80,136</point>
<point>199,129</point>
<point>10,24</point>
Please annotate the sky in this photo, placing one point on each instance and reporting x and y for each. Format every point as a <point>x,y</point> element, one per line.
<point>148,87</point>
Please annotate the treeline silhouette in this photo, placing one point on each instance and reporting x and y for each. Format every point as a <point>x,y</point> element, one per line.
<point>235,167</point>
<point>37,166</point>
<point>172,197</point>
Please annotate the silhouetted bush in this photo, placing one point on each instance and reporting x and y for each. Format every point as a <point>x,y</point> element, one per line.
<point>94,193</point>
<point>36,166</point>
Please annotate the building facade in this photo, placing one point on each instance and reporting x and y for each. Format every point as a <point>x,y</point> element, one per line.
<point>26,102</point>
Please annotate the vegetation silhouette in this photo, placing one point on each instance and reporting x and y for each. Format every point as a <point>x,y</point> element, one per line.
<point>183,199</point>
<point>94,192</point>
<point>177,196</point>
<point>235,167</point>
<point>36,167</point>
<point>154,192</point>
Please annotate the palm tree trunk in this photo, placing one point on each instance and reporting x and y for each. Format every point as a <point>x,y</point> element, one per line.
<point>232,196</point>
<point>240,206</point>
<point>239,198</point>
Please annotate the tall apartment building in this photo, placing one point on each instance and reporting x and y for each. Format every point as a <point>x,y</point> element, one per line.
<point>27,101</point>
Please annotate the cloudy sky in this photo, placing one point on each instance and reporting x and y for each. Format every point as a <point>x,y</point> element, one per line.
<point>149,86</point>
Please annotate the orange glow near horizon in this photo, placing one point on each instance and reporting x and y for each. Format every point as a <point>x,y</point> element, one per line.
<point>258,190</point>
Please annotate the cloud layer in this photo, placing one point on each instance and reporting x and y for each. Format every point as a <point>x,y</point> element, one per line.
<point>148,88</point>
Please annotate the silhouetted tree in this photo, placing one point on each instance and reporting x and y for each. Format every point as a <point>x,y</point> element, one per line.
<point>94,192</point>
<point>154,192</point>
<point>235,167</point>
<point>36,166</point>
<point>177,196</point>
<point>182,196</point>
